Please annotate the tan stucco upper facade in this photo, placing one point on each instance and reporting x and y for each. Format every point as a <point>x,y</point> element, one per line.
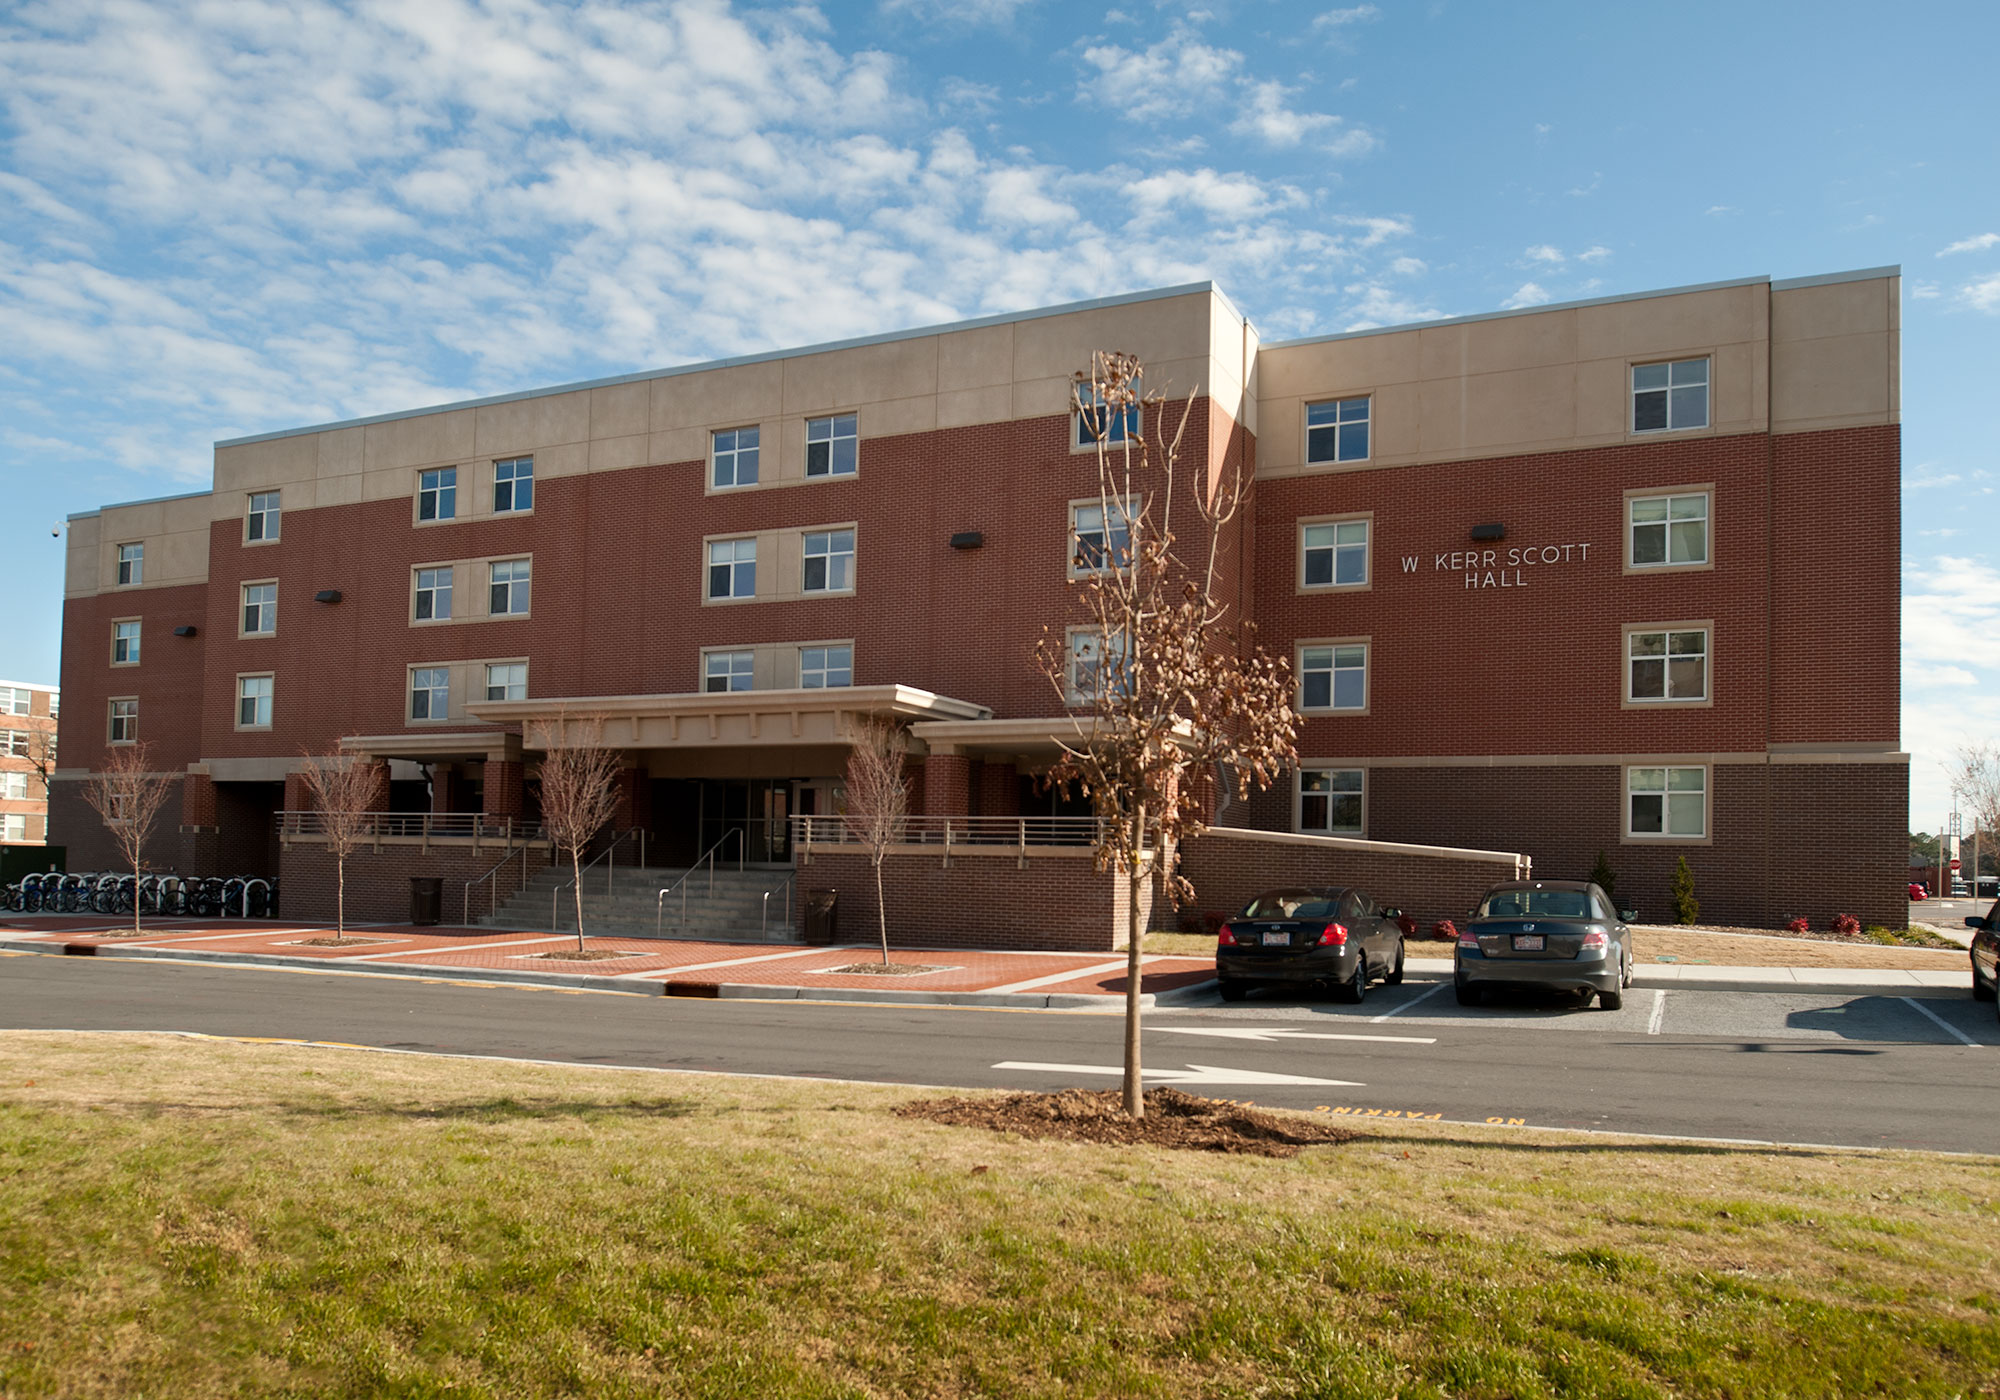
<point>1783,357</point>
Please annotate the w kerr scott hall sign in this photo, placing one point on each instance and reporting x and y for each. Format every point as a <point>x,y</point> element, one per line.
<point>1500,568</point>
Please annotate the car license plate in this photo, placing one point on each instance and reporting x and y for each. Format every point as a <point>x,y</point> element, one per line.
<point>1527,943</point>
<point>1277,938</point>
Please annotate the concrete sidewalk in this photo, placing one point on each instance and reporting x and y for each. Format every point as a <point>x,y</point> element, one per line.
<point>651,967</point>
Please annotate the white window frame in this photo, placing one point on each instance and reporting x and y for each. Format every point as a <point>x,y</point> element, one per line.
<point>827,653</point>
<point>829,555</point>
<point>1103,530</point>
<point>263,703</point>
<point>13,826</point>
<point>1092,647</point>
<point>1301,798</point>
<point>730,670</point>
<point>428,682</point>
<point>1091,420</point>
<point>261,523</point>
<point>1340,415</point>
<point>20,700</point>
<point>132,652</point>
<point>1670,633</point>
<point>13,786</point>
<point>518,583</point>
<point>507,682</point>
<point>1637,773</point>
<point>738,455</point>
<point>831,431</point>
<point>447,575</point>
<point>443,494</point>
<point>1334,646</point>
<point>131,565</point>
<point>1674,497</point>
<point>125,720</point>
<point>267,610</point>
<point>1671,380</point>
<point>1365,520</point>
<point>729,556</point>
<point>519,485</point>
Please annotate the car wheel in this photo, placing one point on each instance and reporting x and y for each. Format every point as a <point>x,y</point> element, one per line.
<point>1232,991</point>
<point>1626,980</point>
<point>1611,1000</point>
<point>1982,991</point>
<point>1468,995</point>
<point>1356,987</point>
<point>1395,977</point>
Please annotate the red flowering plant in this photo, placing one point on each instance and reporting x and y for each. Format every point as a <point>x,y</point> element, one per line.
<point>1799,926</point>
<point>1445,929</point>
<point>1846,925</point>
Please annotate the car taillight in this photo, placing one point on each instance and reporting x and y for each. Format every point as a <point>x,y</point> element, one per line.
<point>1225,937</point>
<point>1594,939</point>
<point>1333,936</point>
<point>1466,939</point>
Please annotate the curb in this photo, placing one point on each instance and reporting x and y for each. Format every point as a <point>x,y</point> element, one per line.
<point>1049,1001</point>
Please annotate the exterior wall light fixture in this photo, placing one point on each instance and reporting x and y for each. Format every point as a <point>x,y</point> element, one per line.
<point>967,539</point>
<point>327,595</point>
<point>1489,532</point>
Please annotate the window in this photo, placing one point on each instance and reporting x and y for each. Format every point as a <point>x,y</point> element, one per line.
<point>829,561</point>
<point>55,704</point>
<point>513,485</point>
<point>510,588</point>
<point>13,743</point>
<point>821,668</point>
<point>1667,531</point>
<point>735,457</point>
<point>131,564</point>
<point>1330,801</point>
<point>124,722</point>
<point>262,523</point>
<point>14,826</point>
<point>1336,554</point>
<point>1097,421</point>
<point>1666,802</point>
<point>260,609</point>
<point>124,645</point>
<point>1099,539</point>
<point>253,702</point>
<point>433,595</point>
<point>430,692</point>
<point>1669,664</point>
<point>728,670</point>
<point>1670,395</point>
<point>1334,677</point>
<point>1097,665</point>
<point>1337,430</point>
<point>437,494</point>
<point>16,700</point>
<point>832,446</point>
<point>732,569</point>
<point>14,787</point>
<point>507,680</point>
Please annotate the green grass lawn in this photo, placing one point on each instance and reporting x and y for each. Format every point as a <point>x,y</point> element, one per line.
<point>195,1218</point>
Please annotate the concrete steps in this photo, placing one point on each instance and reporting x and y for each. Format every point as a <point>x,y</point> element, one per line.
<point>733,910</point>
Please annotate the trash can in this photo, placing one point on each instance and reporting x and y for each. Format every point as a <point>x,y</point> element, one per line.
<point>819,916</point>
<point>426,900</point>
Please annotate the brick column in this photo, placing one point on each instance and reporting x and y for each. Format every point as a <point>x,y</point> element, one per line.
<point>635,799</point>
<point>444,787</point>
<point>947,785</point>
<point>298,798</point>
<point>198,800</point>
<point>502,788</point>
<point>999,790</point>
<point>378,797</point>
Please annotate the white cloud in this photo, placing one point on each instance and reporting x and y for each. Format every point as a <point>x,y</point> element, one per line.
<point>1343,18</point>
<point>1921,290</point>
<point>1269,118</point>
<point>1375,229</point>
<point>1543,252</point>
<point>1978,243</point>
<point>1530,294</point>
<point>1718,209</point>
<point>1951,680</point>
<point>1983,295</point>
<point>1595,253</point>
<point>1164,79</point>
<point>1376,305</point>
<point>1409,267</point>
<point>1925,482</point>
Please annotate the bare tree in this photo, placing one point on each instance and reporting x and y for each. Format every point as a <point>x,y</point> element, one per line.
<point>579,789</point>
<point>1974,774</point>
<point>343,789</point>
<point>1167,691</point>
<point>42,758</point>
<point>129,796</point>
<point>878,800</point>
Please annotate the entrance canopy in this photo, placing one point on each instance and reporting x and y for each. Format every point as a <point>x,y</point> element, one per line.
<point>732,719</point>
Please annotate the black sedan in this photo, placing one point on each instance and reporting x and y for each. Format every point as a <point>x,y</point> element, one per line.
<point>1335,937</point>
<point>1985,953</point>
<point>1561,934</point>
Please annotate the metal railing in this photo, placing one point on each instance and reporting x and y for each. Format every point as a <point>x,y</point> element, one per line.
<point>443,826</point>
<point>492,873</point>
<point>609,857</point>
<point>787,888</point>
<point>707,858</point>
<point>1021,832</point>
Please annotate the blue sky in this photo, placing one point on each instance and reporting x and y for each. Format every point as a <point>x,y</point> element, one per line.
<point>222,218</point>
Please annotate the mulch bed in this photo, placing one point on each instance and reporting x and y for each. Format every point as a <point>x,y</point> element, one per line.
<point>1173,1119</point>
<point>337,942</point>
<point>877,969</point>
<point>593,956</point>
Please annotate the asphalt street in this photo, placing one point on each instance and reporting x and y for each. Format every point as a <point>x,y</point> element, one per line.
<point>1874,1070</point>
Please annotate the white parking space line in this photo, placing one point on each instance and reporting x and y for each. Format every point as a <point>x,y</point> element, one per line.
<point>1659,1011</point>
<point>1069,976</point>
<point>1410,1003</point>
<point>1945,1025</point>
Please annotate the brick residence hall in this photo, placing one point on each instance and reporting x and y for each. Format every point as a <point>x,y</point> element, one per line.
<point>1619,575</point>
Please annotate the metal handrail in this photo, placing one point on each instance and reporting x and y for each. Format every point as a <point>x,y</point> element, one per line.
<point>765,929</point>
<point>429,825</point>
<point>954,831</point>
<point>465,910</point>
<point>706,857</point>
<point>608,854</point>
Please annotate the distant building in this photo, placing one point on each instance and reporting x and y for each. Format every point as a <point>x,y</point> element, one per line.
<point>28,716</point>
<point>1617,575</point>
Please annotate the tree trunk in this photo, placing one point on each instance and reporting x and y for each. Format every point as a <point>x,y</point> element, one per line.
<point>1135,939</point>
<point>575,869</point>
<point>340,899</point>
<point>881,911</point>
<point>135,894</point>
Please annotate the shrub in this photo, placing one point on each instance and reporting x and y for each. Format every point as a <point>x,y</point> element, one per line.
<point>1686,907</point>
<point>1846,925</point>
<point>1799,926</point>
<point>1445,929</point>
<point>1603,876</point>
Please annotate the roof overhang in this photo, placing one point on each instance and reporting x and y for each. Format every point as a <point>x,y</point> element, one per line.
<point>732,719</point>
<point>475,746</point>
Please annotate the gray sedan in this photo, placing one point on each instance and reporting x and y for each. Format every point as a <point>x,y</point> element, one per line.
<point>1561,934</point>
<point>1339,938</point>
